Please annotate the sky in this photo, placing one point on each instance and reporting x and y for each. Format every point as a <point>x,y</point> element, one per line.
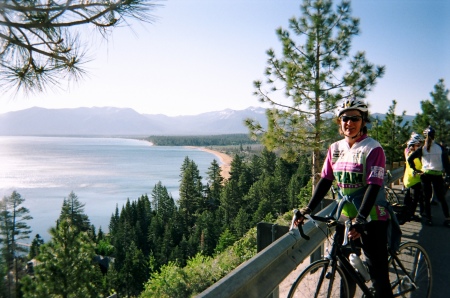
<point>204,55</point>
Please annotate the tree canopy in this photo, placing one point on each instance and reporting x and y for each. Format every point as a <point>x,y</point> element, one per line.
<point>435,112</point>
<point>316,70</point>
<point>41,42</point>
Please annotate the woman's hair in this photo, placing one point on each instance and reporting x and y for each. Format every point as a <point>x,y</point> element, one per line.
<point>365,119</point>
<point>429,141</point>
<point>429,134</point>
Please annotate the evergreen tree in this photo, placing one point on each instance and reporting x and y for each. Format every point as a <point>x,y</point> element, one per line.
<point>226,239</point>
<point>73,211</point>
<point>114,222</point>
<point>255,168</point>
<point>308,81</point>
<point>230,202</point>
<point>35,246</point>
<point>241,223</point>
<point>162,202</point>
<point>191,200</point>
<point>268,162</point>
<point>435,112</point>
<point>66,267</point>
<point>393,135</point>
<point>13,229</point>
<point>134,272</point>
<point>40,43</point>
<point>240,174</point>
<point>215,185</point>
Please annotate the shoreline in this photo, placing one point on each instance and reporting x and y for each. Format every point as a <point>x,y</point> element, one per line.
<point>224,159</point>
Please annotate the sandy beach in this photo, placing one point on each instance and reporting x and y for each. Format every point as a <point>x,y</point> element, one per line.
<point>224,160</point>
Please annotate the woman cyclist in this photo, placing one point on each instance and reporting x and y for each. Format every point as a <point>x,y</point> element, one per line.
<point>358,162</point>
<point>412,181</point>
<point>434,162</point>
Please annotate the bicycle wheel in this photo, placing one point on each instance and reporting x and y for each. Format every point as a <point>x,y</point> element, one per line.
<point>417,264</point>
<point>320,280</point>
<point>391,196</point>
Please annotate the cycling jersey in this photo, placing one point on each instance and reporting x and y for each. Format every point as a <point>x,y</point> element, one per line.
<point>354,168</point>
<point>408,178</point>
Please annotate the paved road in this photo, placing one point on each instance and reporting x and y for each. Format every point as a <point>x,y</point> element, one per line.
<point>436,240</point>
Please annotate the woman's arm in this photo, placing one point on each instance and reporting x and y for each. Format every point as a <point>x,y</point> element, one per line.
<point>414,155</point>
<point>320,191</point>
<point>368,201</point>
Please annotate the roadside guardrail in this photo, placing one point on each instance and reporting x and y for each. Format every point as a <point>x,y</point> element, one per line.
<point>261,275</point>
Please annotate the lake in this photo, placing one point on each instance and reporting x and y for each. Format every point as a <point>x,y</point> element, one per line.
<point>102,172</point>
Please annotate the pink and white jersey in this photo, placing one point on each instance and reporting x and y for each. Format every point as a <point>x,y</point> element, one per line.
<point>356,167</point>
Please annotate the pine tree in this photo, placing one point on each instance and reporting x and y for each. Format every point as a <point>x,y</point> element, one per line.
<point>191,200</point>
<point>73,211</point>
<point>162,202</point>
<point>308,81</point>
<point>215,185</point>
<point>41,43</point>
<point>134,272</point>
<point>435,112</point>
<point>13,230</point>
<point>66,267</point>
<point>35,246</point>
<point>393,135</point>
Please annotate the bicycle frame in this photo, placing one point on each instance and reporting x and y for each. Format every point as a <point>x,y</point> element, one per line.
<point>336,255</point>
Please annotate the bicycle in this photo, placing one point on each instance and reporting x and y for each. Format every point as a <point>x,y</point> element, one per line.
<point>391,196</point>
<point>409,269</point>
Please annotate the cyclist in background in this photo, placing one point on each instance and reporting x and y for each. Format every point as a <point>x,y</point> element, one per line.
<point>412,181</point>
<point>434,162</point>
<point>358,162</point>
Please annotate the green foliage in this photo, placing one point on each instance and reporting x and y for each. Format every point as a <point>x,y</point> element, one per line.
<point>35,246</point>
<point>305,194</point>
<point>13,229</point>
<point>226,239</point>
<point>435,112</point>
<point>176,251</point>
<point>203,141</point>
<point>73,210</point>
<point>39,48</point>
<point>66,267</point>
<point>315,71</point>
<point>392,135</point>
<point>200,271</point>
<point>104,248</point>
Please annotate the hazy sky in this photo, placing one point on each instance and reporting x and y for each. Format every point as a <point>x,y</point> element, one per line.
<point>203,55</point>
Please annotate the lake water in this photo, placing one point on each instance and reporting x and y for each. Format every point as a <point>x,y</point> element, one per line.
<point>102,172</point>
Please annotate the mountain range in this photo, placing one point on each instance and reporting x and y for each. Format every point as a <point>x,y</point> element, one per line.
<point>109,121</point>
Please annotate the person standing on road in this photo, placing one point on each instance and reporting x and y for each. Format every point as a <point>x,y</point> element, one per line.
<point>357,163</point>
<point>412,181</point>
<point>434,161</point>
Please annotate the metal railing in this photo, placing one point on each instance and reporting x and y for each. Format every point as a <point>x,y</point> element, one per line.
<point>261,275</point>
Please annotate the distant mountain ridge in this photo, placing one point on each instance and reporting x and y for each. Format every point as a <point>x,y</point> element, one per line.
<point>109,121</point>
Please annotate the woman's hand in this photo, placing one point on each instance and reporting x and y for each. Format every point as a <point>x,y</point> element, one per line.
<point>357,229</point>
<point>300,216</point>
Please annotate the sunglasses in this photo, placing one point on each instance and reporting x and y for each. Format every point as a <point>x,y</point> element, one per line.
<point>351,118</point>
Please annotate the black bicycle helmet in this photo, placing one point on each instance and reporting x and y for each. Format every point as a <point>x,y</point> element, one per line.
<point>429,131</point>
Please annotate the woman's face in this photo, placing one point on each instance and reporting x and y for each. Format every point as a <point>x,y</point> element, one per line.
<point>351,123</point>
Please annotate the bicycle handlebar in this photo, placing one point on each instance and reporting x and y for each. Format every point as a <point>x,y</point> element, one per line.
<point>329,220</point>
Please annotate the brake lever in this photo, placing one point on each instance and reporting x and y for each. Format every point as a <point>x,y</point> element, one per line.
<point>348,225</point>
